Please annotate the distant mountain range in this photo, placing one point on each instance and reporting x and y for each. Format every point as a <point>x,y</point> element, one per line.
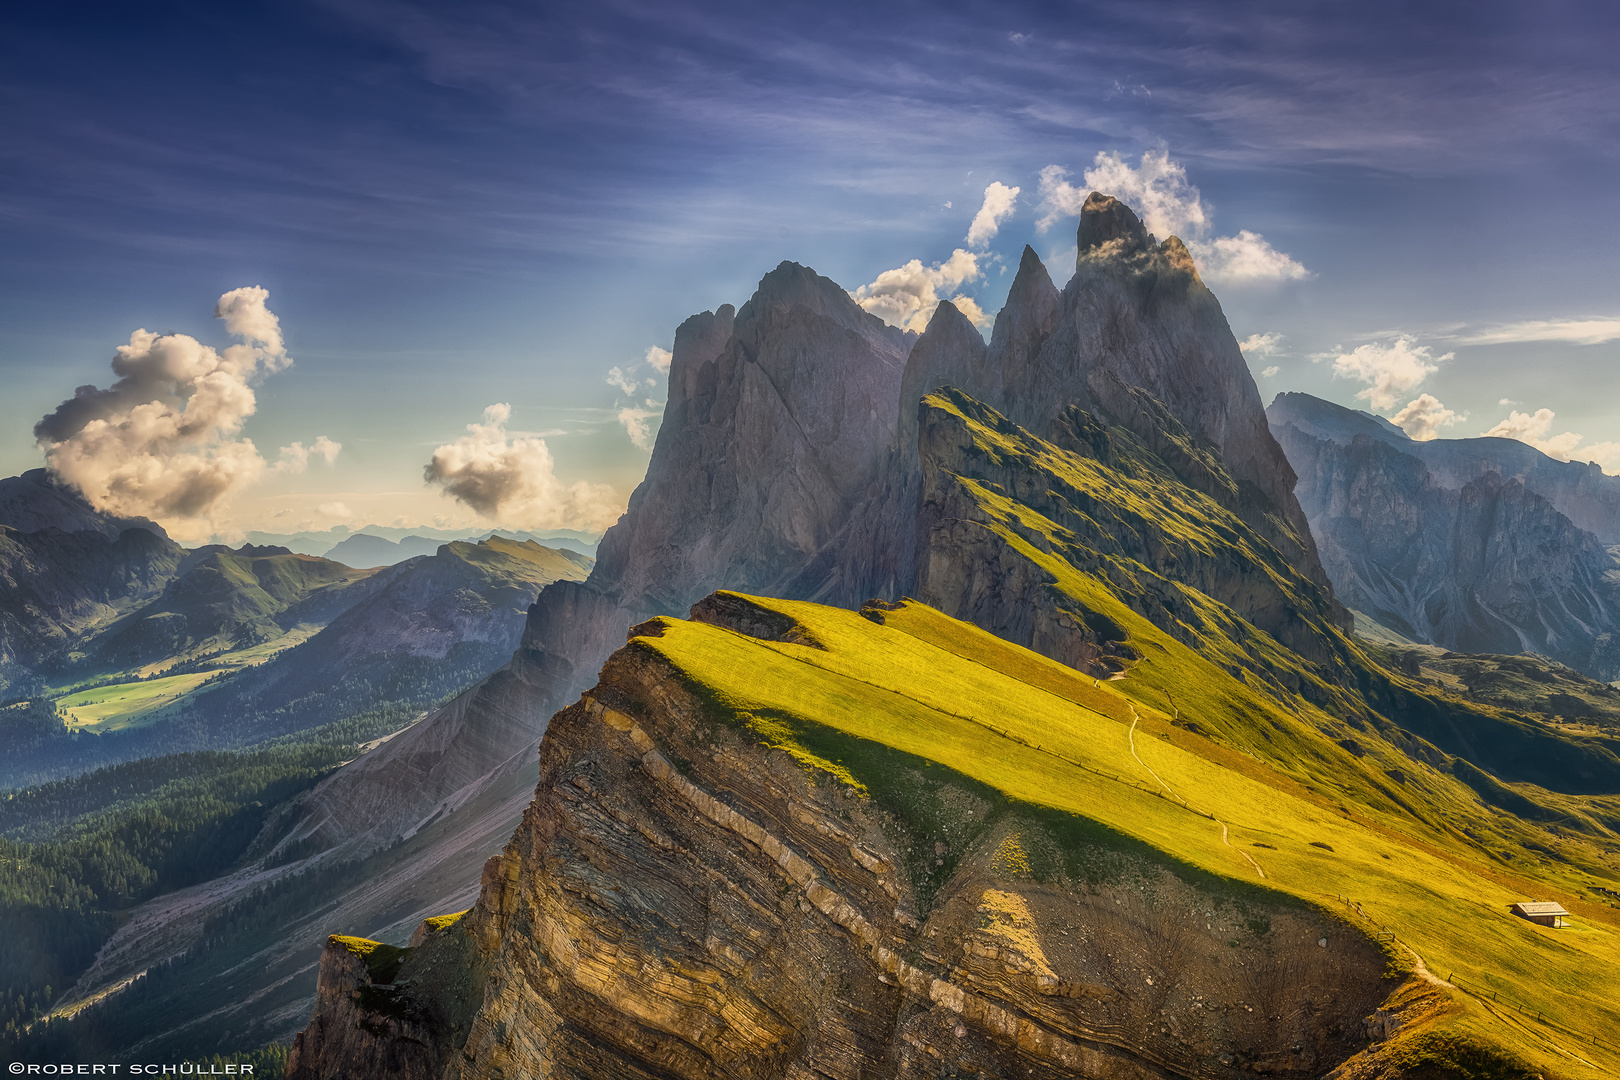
<point>156,648</point>
<point>384,545</point>
<point>1479,545</point>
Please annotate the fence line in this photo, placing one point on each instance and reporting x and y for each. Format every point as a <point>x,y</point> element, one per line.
<point>1493,996</point>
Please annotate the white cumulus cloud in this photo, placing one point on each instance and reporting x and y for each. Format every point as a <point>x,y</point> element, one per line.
<point>636,407</point>
<point>163,441</point>
<point>1244,259</point>
<point>1423,417</point>
<point>1573,331</point>
<point>1260,344</point>
<point>1390,369</point>
<point>1270,372</point>
<point>1536,430</point>
<point>294,458</point>
<point>1158,190</point>
<point>907,295</point>
<point>999,202</point>
<point>513,481</point>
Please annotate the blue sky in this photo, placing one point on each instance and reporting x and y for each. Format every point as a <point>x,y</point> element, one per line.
<point>454,206</point>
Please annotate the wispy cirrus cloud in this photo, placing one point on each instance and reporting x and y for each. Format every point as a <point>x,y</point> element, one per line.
<point>1573,331</point>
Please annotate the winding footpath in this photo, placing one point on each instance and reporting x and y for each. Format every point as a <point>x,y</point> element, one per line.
<point>1131,737</point>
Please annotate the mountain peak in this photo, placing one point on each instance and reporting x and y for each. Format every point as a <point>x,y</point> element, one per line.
<point>1110,228</point>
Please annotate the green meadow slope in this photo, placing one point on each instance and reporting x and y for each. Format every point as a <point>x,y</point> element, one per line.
<point>1112,663</point>
<point>868,698</point>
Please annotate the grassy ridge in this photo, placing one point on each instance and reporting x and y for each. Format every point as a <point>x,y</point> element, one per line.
<point>1044,736</point>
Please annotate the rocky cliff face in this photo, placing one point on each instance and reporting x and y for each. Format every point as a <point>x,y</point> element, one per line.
<point>793,461</point>
<point>683,900</point>
<point>1579,490</point>
<point>788,461</point>
<point>1488,565</point>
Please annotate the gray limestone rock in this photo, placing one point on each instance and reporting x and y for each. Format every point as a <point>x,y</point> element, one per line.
<point>1488,566</point>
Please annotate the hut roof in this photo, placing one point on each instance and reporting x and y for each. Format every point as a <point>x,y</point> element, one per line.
<point>1539,907</point>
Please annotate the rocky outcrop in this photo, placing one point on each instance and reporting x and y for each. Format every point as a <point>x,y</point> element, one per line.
<point>365,1025</point>
<point>57,588</point>
<point>1579,490</point>
<point>682,900</point>
<point>34,502</point>
<point>788,461</point>
<point>1484,566</point>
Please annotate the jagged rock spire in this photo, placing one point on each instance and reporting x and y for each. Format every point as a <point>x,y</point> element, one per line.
<point>1109,228</point>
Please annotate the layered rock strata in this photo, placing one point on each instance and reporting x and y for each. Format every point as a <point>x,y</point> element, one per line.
<point>790,464</point>
<point>683,901</point>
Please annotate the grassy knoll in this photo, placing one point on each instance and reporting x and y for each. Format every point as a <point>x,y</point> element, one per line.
<point>128,704</point>
<point>943,692</point>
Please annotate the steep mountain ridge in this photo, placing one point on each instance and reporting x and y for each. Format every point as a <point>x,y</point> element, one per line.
<point>1451,542</point>
<point>1133,526</point>
<point>780,467</point>
<point>57,587</point>
<point>223,599</point>
<point>902,846</point>
<point>1579,490</point>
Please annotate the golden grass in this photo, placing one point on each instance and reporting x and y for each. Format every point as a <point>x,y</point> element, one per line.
<point>946,692</point>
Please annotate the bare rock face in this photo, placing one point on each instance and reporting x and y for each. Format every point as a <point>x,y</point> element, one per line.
<point>1579,490</point>
<point>364,1025</point>
<point>683,901</point>
<point>1487,567</point>
<point>1137,342</point>
<point>788,465</point>
<point>778,435</point>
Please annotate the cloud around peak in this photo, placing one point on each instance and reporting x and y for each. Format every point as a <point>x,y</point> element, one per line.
<point>907,295</point>
<point>1169,204</point>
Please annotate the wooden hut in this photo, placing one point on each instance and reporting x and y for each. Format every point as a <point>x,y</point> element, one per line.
<point>1543,912</point>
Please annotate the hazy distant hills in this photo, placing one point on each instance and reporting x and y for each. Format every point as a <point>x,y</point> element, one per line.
<point>1579,490</point>
<point>58,587</point>
<point>365,549</point>
<point>361,547</point>
<point>223,600</point>
<point>445,619</point>
<point>152,648</point>
<point>67,570</point>
<point>1479,545</point>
